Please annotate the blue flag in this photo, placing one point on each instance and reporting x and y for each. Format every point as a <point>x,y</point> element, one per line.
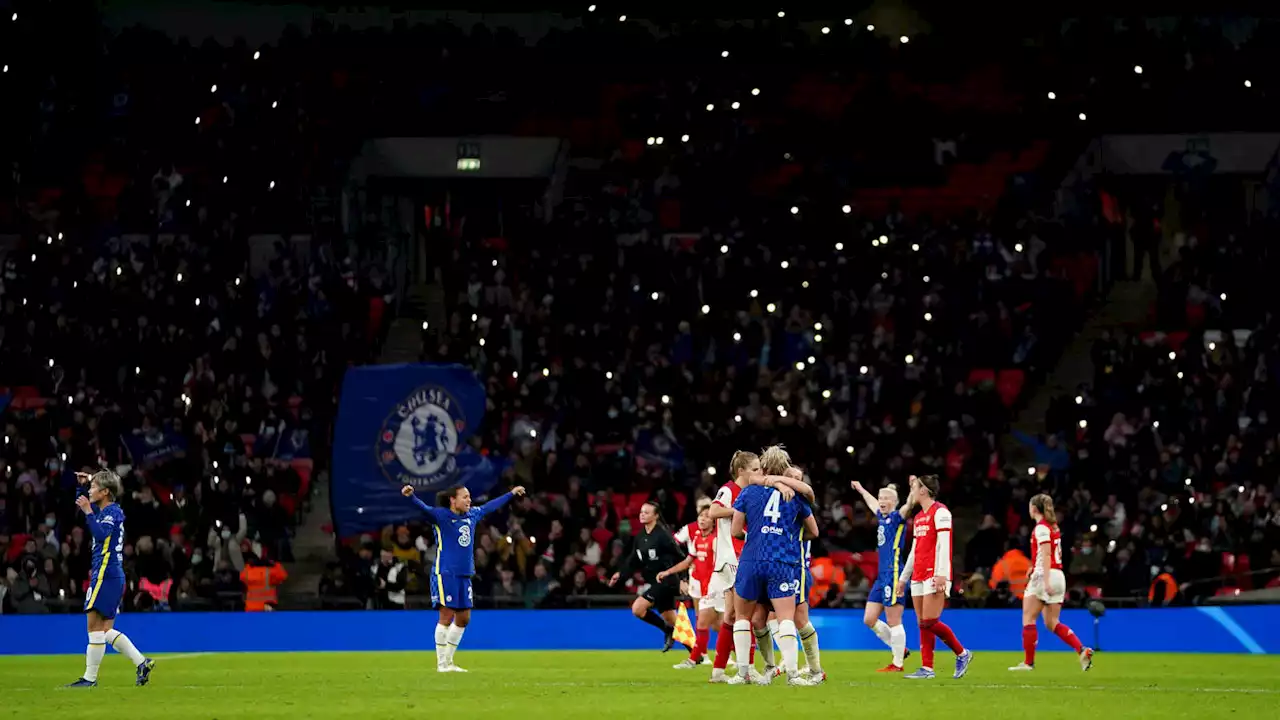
<point>288,442</point>
<point>655,451</point>
<point>405,425</point>
<point>154,446</point>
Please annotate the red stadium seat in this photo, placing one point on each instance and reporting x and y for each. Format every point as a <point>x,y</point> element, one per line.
<point>1009,385</point>
<point>843,558</point>
<point>1093,591</point>
<point>1243,569</point>
<point>304,467</point>
<point>289,503</point>
<point>978,376</point>
<point>634,501</point>
<point>1228,564</point>
<point>682,500</point>
<point>248,439</point>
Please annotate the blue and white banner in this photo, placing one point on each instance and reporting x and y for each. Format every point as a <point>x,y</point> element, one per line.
<point>405,425</point>
<point>154,445</point>
<point>656,451</point>
<point>288,442</point>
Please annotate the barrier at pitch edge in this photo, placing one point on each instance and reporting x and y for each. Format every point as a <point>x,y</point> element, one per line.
<point>1251,629</point>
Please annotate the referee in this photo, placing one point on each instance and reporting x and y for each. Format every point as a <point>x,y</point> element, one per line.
<point>654,550</point>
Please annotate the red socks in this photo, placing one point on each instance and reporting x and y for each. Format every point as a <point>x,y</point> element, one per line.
<point>1068,637</point>
<point>752,660</point>
<point>943,633</point>
<point>704,637</point>
<point>724,646</point>
<point>1029,644</point>
<point>927,639</point>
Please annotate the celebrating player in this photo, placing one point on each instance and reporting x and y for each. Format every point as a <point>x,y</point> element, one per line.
<point>106,578</point>
<point>454,522</point>
<point>929,570</point>
<point>742,468</point>
<point>654,550</point>
<point>769,568</point>
<point>1047,588</point>
<point>699,539</point>
<point>807,632</point>
<point>891,545</point>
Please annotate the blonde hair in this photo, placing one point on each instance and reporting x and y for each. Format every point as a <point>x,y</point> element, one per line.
<point>740,461</point>
<point>108,481</point>
<point>774,460</point>
<point>1044,504</point>
<point>893,489</point>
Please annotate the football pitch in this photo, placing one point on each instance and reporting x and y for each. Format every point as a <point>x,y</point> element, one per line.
<point>518,685</point>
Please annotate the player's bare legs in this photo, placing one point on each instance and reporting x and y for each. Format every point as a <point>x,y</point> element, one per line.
<point>1051,614</point>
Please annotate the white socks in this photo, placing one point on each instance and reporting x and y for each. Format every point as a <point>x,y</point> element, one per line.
<point>764,643</point>
<point>882,631</point>
<point>773,626</point>
<point>93,655</point>
<point>809,639</point>
<point>442,640</point>
<point>787,644</point>
<point>124,646</point>
<point>898,643</point>
<point>452,639</point>
<point>742,643</point>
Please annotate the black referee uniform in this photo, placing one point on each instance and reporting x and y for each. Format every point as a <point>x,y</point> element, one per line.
<point>653,551</point>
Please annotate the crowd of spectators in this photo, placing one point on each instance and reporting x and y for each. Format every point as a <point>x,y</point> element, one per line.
<point>719,206</point>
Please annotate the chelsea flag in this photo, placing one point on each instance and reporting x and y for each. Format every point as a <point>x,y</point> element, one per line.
<point>405,425</point>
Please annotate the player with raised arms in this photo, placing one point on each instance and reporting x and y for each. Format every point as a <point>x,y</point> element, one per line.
<point>1047,587</point>
<point>106,578</point>
<point>699,540</point>
<point>454,522</point>
<point>891,546</point>
<point>929,571</point>
<point>769,567</point>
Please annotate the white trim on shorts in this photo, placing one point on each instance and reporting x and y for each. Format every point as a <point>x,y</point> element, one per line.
<point>723,580</point>
<point>920,589</point>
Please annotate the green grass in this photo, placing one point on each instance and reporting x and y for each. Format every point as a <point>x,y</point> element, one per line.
<point>640,685</point>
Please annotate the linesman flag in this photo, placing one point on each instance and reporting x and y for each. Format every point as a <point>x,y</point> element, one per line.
<point>683,630</point>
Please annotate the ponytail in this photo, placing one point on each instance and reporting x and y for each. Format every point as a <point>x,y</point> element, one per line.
<point>1044,504</point>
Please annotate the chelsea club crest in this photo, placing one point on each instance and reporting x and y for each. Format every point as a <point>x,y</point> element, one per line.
<point>419,440</point>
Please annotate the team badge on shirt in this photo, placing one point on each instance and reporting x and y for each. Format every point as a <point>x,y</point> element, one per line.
<point>418,442</point>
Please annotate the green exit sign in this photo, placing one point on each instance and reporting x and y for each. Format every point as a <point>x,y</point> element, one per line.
<point>468,164</point>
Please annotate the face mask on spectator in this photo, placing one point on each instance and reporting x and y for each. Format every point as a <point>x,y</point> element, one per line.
<point>50,520</point>
<point>226,534</point>
<point>197,558</point>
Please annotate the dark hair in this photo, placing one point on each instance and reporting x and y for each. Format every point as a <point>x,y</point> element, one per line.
<point>930,483</point>
<point>657,513</point>
<point>444,498</point>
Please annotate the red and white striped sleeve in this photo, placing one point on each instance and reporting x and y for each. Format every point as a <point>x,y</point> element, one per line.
<point>942,548</point>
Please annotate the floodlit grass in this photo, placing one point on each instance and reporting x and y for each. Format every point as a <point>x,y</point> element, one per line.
<point>603,685</point>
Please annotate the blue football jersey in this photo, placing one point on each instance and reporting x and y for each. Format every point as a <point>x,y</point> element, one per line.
<point>774,525</point>
<point>106,525</point>
<point>455,535</point>
<point>891,542</point>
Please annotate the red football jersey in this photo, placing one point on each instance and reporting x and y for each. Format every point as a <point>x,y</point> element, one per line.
<point>932,531</point>
<point>702,548</point>
<point>1044,533</point>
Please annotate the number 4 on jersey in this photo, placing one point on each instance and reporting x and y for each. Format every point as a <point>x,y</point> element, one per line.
<point>771,508</point>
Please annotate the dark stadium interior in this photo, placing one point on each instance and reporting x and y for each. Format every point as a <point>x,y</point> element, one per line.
<point>940,245</point>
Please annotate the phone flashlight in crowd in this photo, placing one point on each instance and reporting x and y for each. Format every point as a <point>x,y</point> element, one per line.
<point>1137,69</point>
<point>826,30</point>
<point>755,91</point>
<point>871,28</point>
<point>817,338</point>
<point>684,138</point>
<point>737,337</point>
<point>1082,116</point>
<point>218,524</point>
<point>839,247</point>
<point>50,362</point>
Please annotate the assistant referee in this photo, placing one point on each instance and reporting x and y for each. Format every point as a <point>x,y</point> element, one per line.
<point>654,550</point>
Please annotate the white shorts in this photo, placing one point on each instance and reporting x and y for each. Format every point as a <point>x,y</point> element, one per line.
<point>1057,587</point>
<point>722,581</point>
<point>711,602</point>
<point>920,589</point>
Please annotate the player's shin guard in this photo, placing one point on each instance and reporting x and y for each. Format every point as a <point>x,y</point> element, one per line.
<point>442,645</point>
<point>882,631</point>
<point>898,643</point>
<point>452,640</point>
<point>765,642</point>
<point>1068,637</point>
<point>1029,644</point>
<point>700,648</point>
<point>787,645</point>
<point>93,655</point>
<point>926,644</point>
<point>724,646</point>
<point>124,646</point>
<point>809,639</point>
<point>742,643</point>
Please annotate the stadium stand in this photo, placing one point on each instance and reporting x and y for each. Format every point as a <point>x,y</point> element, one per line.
<point>843,241</point>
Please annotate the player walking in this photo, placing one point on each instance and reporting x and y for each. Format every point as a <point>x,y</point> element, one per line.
<point>891,546</point>
<point>1047,587</point>
<point>106,578</point>
<point>699,539</point>
<point>454,523</point>
<point>929,570</point>
<point>769,567</point>
<point>653,551</point>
